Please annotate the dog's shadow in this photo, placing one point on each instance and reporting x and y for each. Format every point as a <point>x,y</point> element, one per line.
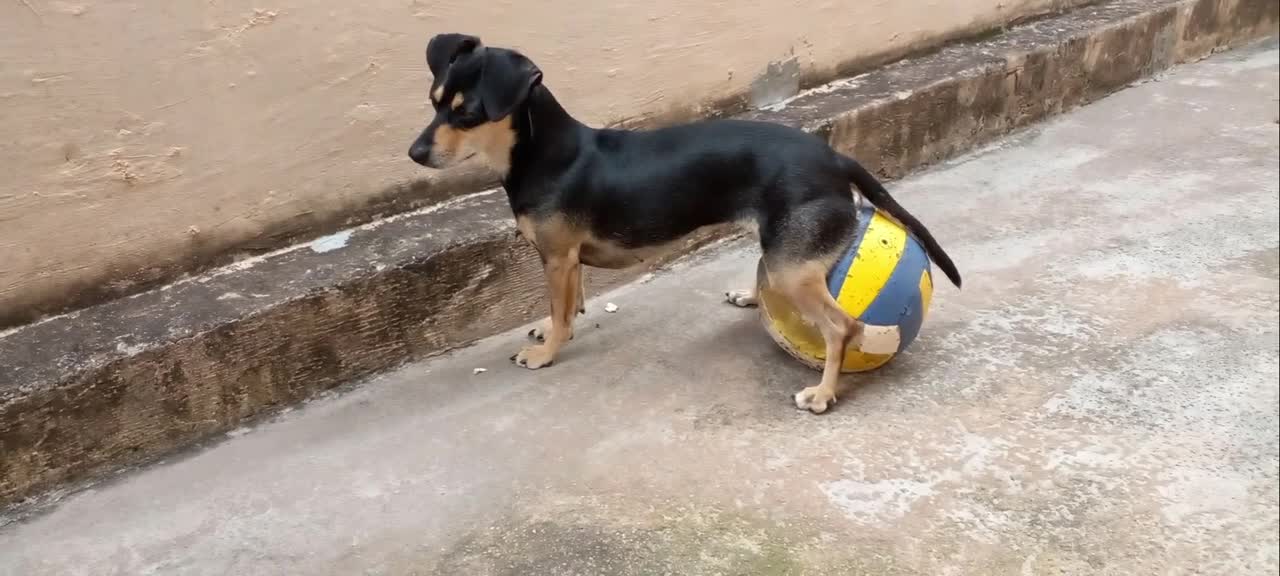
<point>774,371</point>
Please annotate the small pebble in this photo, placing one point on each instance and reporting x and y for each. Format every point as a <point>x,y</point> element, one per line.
<point>479,370</point>
<point>611,307</point>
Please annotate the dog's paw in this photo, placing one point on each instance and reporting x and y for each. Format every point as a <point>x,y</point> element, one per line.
<point>741,298</point>
<point>815,399</point>
<point>534,357</point>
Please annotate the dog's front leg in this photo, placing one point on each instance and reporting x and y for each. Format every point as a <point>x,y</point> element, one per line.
<point>564,278</point>
<point>539,333</point>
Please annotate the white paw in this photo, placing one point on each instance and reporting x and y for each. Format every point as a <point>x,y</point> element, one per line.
<point>815,399</point>
<point>741,298</point>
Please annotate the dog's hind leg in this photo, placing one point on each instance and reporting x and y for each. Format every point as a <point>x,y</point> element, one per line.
<point>804,285</point>
<point>800,247</point>
<point>745,298</point>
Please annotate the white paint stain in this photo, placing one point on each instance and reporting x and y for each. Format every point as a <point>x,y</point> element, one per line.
<point>331,242</point>
<point>1199,82</point>
<point>253,261</point>
<point>129,349</point>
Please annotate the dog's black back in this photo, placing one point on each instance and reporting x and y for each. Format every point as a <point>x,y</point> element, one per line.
<point>643,188</point>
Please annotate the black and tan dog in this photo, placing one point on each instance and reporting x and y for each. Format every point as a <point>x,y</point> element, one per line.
<point>612,198</point>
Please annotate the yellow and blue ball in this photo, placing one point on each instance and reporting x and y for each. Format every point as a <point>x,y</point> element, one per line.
<point>883,279</point>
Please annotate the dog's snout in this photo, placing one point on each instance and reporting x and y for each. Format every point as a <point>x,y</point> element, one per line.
<point>420,152</point>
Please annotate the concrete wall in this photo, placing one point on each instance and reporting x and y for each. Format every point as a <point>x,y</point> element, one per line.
<point>144,137</point>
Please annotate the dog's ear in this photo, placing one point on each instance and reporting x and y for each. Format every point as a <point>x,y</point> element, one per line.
<point>443,49</point>
<point>506,81</point>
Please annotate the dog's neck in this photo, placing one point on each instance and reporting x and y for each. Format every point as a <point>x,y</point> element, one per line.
<point>547,141</point>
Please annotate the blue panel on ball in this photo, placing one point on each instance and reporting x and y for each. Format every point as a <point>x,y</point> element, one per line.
<point>836,278</point>
<point>898,303</point>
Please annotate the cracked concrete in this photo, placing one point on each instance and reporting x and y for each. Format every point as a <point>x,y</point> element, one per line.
<point>1100,399</point>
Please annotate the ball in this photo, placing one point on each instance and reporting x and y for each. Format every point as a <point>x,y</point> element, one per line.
<point>884,279</point>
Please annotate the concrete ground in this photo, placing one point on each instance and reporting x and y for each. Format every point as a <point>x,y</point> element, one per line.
<point>1101,398</point>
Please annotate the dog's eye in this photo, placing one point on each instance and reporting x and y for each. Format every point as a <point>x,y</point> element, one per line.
<point>466,119</point>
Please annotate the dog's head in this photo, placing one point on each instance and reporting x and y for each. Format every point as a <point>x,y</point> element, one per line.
<point>474,91</point>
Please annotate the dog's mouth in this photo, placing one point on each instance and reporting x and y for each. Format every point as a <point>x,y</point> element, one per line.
<point>438,163</point>
<point>456,159</point>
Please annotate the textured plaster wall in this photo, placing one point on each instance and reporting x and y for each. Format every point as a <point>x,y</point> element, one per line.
<point>143,137</point>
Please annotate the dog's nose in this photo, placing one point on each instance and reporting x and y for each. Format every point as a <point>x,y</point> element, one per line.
<point>420,152</point>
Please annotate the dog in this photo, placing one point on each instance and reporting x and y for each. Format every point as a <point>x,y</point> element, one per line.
<point>612,198</point>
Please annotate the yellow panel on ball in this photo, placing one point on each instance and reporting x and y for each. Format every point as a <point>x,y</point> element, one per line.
<point>883,279</point>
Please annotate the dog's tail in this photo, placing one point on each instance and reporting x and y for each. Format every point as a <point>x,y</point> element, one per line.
<point>875,192</point>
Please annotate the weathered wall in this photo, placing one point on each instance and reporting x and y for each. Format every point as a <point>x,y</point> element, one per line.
<point>145,137</point>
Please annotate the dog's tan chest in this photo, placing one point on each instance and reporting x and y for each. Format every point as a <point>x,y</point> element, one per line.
<point>556,234</point>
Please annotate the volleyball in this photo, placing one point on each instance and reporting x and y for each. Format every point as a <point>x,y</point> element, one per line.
<point>884,279</point>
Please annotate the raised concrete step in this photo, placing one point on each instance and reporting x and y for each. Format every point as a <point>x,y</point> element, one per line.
<point>121,383</point>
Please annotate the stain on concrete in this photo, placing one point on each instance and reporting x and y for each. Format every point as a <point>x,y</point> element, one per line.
<point>331,242</point>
